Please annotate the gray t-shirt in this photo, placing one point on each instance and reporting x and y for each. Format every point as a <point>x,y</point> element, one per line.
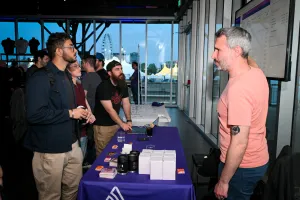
<point>90,83</point>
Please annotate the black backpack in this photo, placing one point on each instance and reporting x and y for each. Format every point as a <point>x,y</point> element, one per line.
<point>18,109</point>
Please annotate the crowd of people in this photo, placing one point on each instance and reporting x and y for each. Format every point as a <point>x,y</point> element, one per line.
<point>69,116</point>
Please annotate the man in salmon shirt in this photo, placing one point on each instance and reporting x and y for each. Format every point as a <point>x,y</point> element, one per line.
<point>242,110</point>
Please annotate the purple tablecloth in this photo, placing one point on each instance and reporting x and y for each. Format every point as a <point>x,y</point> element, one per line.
<point>134,186</point>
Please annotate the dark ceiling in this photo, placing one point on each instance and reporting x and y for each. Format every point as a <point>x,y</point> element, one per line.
<point>117,8</point>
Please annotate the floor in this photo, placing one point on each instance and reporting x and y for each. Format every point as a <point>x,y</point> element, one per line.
<point>192,142</point>
<point>16,161</point>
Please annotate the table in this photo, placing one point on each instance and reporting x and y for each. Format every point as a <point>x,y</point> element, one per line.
<point>134,186</point>
<point>146,114</point>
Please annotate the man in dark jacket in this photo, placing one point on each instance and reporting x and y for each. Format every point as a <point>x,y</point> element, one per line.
<point>40,59</point>
<point>52,116</point>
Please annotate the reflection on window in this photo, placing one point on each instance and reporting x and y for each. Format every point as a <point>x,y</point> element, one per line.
<point>216,75</point>
<point>297,117</point>
<point>187,73</point>
<point>203,106</point>
<point>272,118</point>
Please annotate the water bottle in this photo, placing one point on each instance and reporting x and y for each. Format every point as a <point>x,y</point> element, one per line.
<point>121,136</point>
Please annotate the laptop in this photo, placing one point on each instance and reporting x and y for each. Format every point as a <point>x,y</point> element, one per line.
<point>137,130</point>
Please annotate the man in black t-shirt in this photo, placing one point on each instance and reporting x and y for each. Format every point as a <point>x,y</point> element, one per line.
<point>109,96</point>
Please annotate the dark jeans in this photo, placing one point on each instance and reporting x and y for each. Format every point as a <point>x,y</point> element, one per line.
<point>134,90</point>
<point>243,182</point>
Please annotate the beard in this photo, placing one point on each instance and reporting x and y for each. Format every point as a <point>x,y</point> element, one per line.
<point>69,58</point>
<point>119,80</point>
<point>223,65</point>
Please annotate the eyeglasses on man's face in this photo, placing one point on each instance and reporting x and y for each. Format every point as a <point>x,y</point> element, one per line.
<point>71,47</point>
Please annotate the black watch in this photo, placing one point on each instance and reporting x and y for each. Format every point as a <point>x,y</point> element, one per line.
<point>129,120</point>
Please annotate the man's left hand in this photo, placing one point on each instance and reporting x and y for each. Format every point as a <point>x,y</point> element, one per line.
<point>91,119</point>
<point>129,123</point>
<point>221,190</point>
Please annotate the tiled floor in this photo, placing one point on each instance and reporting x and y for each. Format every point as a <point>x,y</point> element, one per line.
<point>16,160</point>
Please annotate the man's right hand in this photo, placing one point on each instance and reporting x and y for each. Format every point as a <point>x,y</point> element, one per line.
<point>126,127</point>
<point>80,113</point>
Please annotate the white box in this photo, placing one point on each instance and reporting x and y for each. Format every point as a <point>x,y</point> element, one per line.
<point>147,150</point>
<point>157,154</point>
<point>158,151</point>
<point>170,151</point>
<point>169,168</point>
<point>156,168</point>
<point>170,155</point>
<point>144,163</point>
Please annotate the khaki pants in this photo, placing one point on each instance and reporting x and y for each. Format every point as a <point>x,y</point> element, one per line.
<point>102,136</point>
<point>57,175</point>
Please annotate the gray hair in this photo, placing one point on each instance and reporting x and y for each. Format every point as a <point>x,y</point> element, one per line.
<point>236,36</point>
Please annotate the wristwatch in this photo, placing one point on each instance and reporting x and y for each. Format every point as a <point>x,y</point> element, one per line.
<point>129,120</point>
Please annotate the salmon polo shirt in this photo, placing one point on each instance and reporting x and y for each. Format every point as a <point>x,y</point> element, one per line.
<point>244,102</point>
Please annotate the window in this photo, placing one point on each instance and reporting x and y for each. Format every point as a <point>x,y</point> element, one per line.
<point>296,132</point>
<point>216,75</point>
<point>205,63</point>
<point>8,33</point>
<point>159,62</point>
<point>272,118</point>
<point>52,27</point>
<point>133,50</point>
<point>175,64</point>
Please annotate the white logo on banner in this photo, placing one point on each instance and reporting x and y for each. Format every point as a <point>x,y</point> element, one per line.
<point>115,194</point>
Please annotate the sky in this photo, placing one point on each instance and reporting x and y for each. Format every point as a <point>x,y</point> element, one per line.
<point>133,36</point>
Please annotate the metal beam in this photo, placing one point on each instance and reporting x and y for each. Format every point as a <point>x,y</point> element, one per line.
<point>183,10</point>
<point>106,26</point>
<point>60,24</point>
<point>85,39</point>
<point>86,30</point>
<point>87,17</point>
<point>45,28</point>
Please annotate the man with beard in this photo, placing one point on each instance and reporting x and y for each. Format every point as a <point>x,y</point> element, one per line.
<point>242,111</point>
<point>109,96</point>
<point>52,115</point>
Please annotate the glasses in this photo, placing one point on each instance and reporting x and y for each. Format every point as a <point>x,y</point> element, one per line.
<point>71,47</point>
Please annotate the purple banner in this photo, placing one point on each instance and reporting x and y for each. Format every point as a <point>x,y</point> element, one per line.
<point>257,8</point>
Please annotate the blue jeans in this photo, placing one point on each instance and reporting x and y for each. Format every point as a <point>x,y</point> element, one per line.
<point>243,182</point>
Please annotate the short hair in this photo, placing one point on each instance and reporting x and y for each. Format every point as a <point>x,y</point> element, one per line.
<point>135,63</point>
<point>102,61</point>
<point>90,59</point>
<point>56,40</point>
<point>69,65</point>
<point>39,54</point>
<point>237,36</point>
